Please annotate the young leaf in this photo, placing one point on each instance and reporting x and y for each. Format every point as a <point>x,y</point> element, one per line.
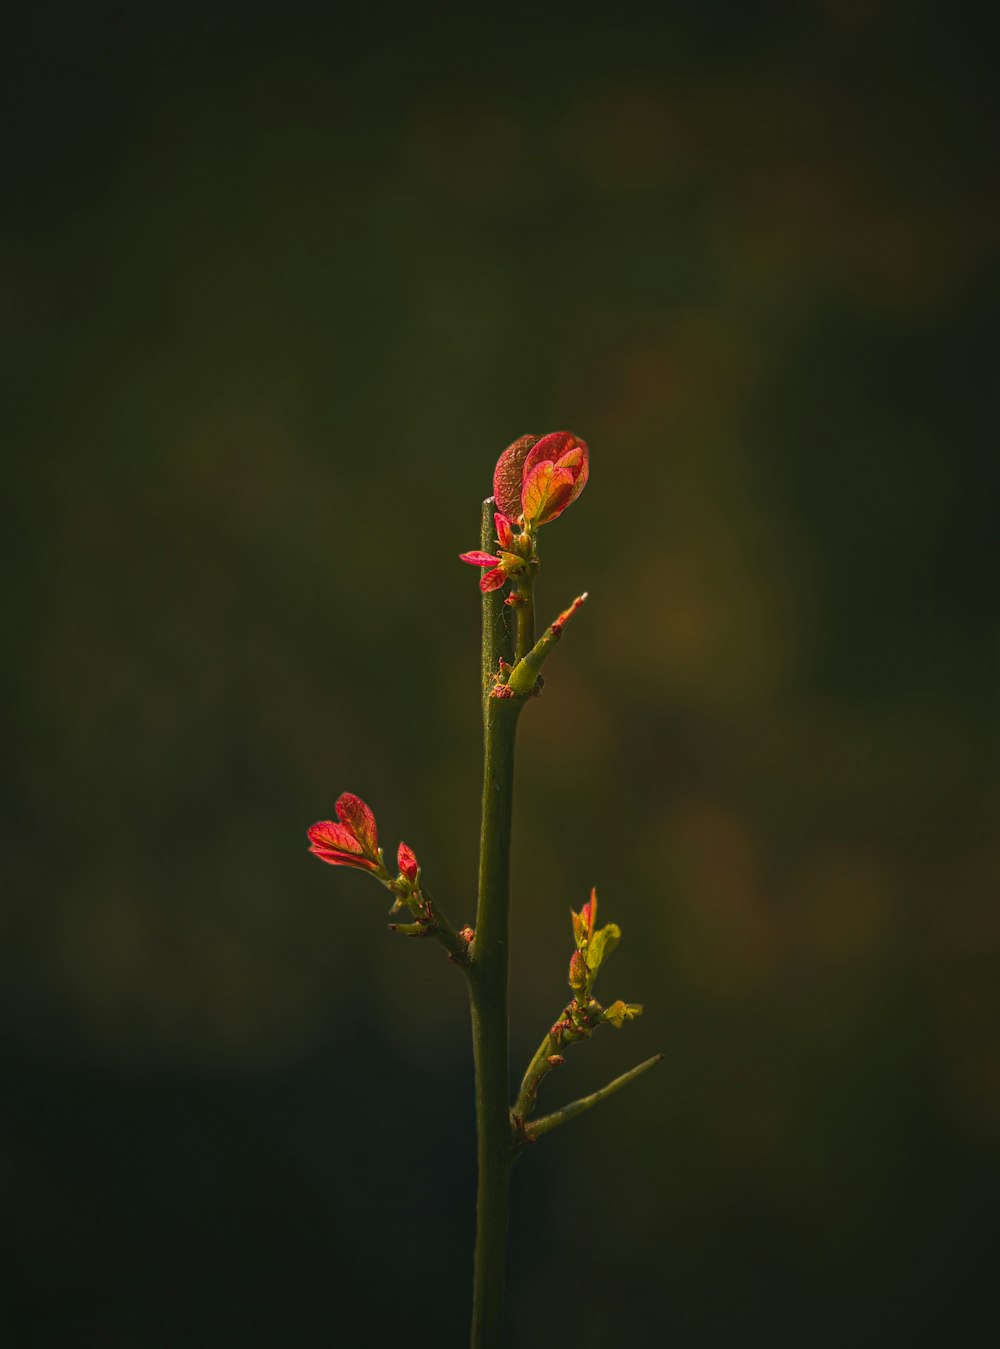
<point>619,1012</point>
<point>357,817</point>
<point>505,533</point>
<point>408,864</point>
<point>547,491</point>
<point>508,476</point>
<point>580,931</point>
<point>335,844</point>
<point>566,451</point>
<point>601,944</point>
<point>589,911</point>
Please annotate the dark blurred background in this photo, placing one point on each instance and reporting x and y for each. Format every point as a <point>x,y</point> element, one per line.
<point>279,284</point>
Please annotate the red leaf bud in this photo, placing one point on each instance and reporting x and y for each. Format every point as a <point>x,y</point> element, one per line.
<point>588,913</point>
<point>578,972</point>
<point>505,533</point>
<point>407,863</point>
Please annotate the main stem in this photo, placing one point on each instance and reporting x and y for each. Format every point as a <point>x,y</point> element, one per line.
<point>488,982</point>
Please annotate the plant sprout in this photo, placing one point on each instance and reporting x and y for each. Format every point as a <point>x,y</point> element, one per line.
<point>535,480</point>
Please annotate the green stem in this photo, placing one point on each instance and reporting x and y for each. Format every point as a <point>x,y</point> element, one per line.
<point>537,1127</point>
<point>536,1070</point>
<point>577,1021</point>
<point>524,676</point>
<point>525,614</point>
<point>488,981</point>
<point>432,923</point>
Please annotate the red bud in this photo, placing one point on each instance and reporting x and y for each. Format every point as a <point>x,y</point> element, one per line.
<point>589,913</point>
<point>505,533</point>
<point>578,972</point>
<point>407,863</point>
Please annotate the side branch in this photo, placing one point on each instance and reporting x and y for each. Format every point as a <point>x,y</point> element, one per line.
<point>535,1128</point>
<point>546,1058</point>
<point>432,923</point>
<point>524,676</point>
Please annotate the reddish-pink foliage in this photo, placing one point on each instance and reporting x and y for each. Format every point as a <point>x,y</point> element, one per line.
<point>552,490</point>
<point>508,476</point>
<point>505,532</point>
<point>357,817</point>
<point>353,842</point>
<point>546,493</point>
<point>589,914</point>
<point>408,864</point>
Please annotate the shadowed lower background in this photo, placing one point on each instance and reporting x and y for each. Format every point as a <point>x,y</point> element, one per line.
<point>278,289</point>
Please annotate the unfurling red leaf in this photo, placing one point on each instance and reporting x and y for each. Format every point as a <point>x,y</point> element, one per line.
<point>601,944</point>
<point>589,912</point>
<point>335,844</point>
<point>583,922</point>
<point>356,816</point>
<point>477,559</point>
<point>505,533</point>
<point>508,476</point>
<point>335,836</point>
<point>565,451</point>
<point>547,491</point>
<point>408,864</point>
<point>567,454</point>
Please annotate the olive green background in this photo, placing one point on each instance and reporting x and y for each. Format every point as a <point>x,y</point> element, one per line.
<point>280,284</point>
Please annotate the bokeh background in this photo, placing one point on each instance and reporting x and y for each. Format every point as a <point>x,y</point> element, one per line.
<point>279,285</point>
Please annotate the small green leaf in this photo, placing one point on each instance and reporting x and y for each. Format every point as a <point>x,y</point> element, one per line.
<point>619,1012</point>
<point>601,944</point>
